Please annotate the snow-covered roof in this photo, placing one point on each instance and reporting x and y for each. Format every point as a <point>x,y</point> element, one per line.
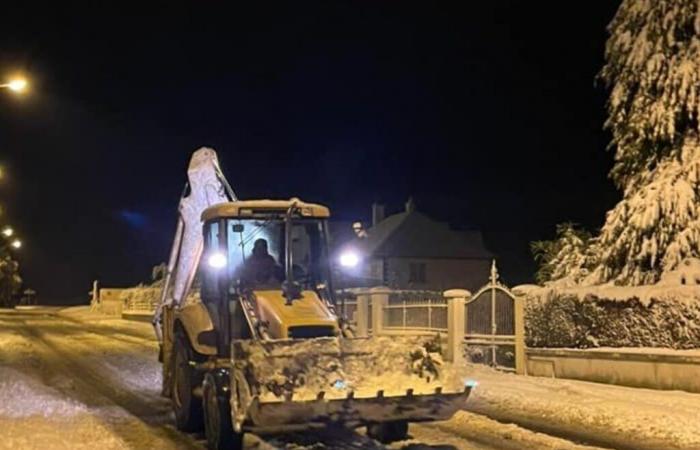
<point>413,234</point>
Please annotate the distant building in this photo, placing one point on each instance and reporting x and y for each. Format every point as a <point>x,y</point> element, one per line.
<point>409,250</point>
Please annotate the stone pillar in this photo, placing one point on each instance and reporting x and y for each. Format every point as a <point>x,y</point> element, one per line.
<point>94,302</point>
<point>362,315</point>
<point>519,307</point>
<point>380,298</point>
<point>456,299</point>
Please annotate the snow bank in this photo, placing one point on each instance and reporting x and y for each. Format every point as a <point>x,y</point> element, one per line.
<point>608,415</point>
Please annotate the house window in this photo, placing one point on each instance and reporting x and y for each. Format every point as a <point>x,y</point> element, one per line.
<point>416,273</point>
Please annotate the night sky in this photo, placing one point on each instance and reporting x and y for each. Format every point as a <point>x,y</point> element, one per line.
<point>488,115</point>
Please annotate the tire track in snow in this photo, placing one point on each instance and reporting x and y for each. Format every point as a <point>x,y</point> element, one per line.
<point>140,419</point>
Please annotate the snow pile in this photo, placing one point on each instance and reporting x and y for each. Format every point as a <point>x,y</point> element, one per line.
<point>687,273</point>
<point>304,368</point>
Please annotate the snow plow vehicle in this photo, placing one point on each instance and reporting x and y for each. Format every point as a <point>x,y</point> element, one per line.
<point>250,338</point>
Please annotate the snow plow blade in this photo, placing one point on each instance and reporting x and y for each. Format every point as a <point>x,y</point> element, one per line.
<point>289,384</point>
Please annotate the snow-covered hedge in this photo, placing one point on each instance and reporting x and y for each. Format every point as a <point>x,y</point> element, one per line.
<point>569,319</point>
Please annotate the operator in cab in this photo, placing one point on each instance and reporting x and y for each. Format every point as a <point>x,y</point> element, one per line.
<point>261,268</point>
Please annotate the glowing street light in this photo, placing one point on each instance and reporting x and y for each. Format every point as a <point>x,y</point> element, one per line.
<point>16,244</point>
<point>17,85</point>
<point>8,231</point>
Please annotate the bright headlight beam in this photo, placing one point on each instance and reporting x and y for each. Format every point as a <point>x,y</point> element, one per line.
<point>349,259</point>
<point>217,260</point>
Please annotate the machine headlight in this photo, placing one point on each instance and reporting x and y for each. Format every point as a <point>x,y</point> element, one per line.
<point>349,259</point>
<point>217,260</point>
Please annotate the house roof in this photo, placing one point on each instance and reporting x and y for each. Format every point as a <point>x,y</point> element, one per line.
<point>413,234</point>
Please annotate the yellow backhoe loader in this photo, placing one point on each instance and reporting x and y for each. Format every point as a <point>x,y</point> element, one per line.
<point>250,338</point>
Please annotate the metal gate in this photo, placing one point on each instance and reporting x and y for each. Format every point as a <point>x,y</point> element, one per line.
<point>490,325</point>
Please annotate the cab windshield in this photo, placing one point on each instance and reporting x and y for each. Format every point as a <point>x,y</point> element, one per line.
<point>256,252</point>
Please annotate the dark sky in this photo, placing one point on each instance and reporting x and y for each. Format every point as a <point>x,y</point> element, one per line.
<point>487,114</point>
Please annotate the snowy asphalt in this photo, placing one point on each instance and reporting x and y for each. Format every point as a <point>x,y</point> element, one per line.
<point>84,382</point>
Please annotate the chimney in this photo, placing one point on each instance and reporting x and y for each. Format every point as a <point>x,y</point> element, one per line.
<point>377,213</point>
<point>410,205</point>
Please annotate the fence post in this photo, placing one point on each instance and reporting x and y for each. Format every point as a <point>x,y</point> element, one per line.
<point>362,315</point>
<point>520,362</point>
<point>380,298</point>
<point>456,299</point>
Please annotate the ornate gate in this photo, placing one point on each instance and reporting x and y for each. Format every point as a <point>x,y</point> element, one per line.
<point>489,322</point>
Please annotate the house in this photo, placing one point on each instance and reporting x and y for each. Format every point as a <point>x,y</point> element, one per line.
<point>409,250</point>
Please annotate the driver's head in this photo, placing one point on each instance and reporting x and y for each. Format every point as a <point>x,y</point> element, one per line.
<point>260,247</point>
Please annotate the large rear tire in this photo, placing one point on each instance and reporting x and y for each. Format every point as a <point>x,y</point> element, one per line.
<point>218,426</point>
<point>187,407</point>
<point>386,432</point>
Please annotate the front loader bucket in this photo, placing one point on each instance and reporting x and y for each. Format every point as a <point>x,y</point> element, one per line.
<point>301,383</point>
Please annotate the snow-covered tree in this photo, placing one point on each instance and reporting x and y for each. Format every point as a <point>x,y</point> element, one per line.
<point>564,257</point>
<point>656,225</point>
<point>10,281</point>
<point>653,73</point>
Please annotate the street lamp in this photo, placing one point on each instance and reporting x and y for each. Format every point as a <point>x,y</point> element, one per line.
<point>16,244</point>
<point>7,231</point>
<point>17,85</point>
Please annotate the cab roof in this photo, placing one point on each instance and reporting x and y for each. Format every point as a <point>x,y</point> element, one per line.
<point>251,208</point>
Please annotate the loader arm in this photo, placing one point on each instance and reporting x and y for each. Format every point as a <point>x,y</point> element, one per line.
<point>207,187</point>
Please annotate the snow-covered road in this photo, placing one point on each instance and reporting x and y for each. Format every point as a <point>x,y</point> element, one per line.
<point>75,380</point>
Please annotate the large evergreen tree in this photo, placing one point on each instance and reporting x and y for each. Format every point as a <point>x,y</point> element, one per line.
<point>653,73</point>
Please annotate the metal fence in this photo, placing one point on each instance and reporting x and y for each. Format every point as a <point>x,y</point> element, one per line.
<point>483,328</point>
<point>419,311</point>
<point>140,300</point>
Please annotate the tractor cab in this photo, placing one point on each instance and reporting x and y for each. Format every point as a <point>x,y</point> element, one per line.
<point>266,262</point>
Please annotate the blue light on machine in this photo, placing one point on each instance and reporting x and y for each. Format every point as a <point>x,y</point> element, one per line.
<point>471,383</point>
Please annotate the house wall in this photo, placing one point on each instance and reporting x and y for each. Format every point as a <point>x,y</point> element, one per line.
<point>440,274</point>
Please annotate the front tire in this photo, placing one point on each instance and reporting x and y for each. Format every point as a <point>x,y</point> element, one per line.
<point>217,415</point>
<point>386,432</point>
<point>187,408</point>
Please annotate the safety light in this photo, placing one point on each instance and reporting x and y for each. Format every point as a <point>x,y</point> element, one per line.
<point>349,259</point>
<point>217,260</point>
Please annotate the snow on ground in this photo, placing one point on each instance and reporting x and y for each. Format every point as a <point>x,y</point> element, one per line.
<point>77,379</point>
<point>56,391</point>
<point>613,416</point>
